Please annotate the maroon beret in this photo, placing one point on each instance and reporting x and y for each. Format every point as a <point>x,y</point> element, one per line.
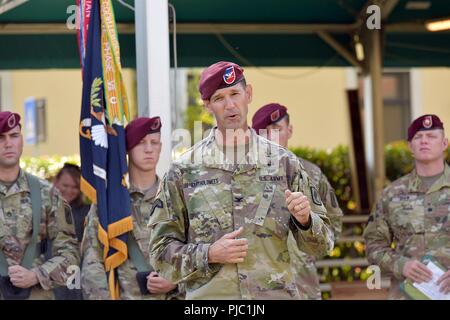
<point>137,129</point>
<point>267,115</point>
<point>425,122</point>
<point>217,76</point>
<point>8,121</point>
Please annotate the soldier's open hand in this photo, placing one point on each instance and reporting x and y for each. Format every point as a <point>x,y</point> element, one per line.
<point>22,277</point>
<point>228,249</point>
<point>417,271</point>
<point>157,284</point>
<point>444,282</point>
<point>298,205</point>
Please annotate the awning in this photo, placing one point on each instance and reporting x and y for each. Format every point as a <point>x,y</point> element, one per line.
<point>259,33</point>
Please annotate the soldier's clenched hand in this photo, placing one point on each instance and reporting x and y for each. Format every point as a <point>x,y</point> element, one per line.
<point>298,205</point>
<point>157,284</point>
<point>417,271</point>
<point>22,277</point>
<point>228,249</point>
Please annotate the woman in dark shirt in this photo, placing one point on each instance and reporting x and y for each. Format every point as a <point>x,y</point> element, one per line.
<point>67,181</point>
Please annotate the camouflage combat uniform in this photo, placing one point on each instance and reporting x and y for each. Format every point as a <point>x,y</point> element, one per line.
<point>409,222</point>
<point>93,277</point>
<point>56,225</point>
<point>201,201</point>
<point>303,265</point>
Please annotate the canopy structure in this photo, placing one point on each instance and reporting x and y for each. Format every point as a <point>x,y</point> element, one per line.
<point>260,33</point>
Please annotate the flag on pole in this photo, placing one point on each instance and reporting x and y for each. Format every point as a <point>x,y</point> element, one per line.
<point>104,111</point>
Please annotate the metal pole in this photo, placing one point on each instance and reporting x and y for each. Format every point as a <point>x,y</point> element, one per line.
<point>375,66</point>
<point>142,58</point>
<point>152,69</point>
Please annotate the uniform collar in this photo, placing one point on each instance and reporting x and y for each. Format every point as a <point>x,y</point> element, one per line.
<point>20,185</point>
<point>150,193</point>
<point>415,183</point>
<point>213,157</point>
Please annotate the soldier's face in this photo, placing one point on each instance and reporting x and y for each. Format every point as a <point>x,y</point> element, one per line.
<point>145,155</point>
<point>230,106</point>
<point>280,132</point>
<point>11,147</point>
<point>428,146</point>
<point>68,186</point>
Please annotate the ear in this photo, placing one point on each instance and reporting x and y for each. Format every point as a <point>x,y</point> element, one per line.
<point>249,93</point>
<point>207,105</point>
<point>290,131</point>
<point>445,142</point>
<point>410,147</point>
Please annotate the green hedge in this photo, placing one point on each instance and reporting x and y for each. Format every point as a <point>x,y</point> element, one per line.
<point>46,167</point>
<point>335,164</point>
<point>399,161</point>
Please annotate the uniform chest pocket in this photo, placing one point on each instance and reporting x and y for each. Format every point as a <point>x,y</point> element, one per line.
<point>209,207</point>
<point>438,213</point>
<point>407,217</point>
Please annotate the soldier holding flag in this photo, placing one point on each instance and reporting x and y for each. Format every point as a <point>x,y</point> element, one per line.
<point>137,280</point>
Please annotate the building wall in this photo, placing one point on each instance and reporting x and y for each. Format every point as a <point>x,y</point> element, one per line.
<point>62,90</point>
<point>435,93</point>
<point>315,98</point>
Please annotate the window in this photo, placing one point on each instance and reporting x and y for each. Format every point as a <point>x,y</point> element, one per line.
<point>395,88</point>
<point>397,105</point>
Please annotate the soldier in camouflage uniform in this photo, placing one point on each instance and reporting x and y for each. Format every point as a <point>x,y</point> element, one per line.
<point>226,207</point>
<point>56,223</point>
<point>272,121</point>
<point>412,217</point>
<point>144,146</point>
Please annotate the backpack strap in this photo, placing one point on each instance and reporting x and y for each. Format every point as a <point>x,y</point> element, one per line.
<point>36,207</point>
<point>136,256</point>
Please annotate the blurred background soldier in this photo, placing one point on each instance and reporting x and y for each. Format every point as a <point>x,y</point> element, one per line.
<point>413,213</point>
<point>137,280</point>
<point>274,119</point>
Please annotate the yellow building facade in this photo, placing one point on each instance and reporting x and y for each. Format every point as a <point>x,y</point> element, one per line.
<point>315,97</point>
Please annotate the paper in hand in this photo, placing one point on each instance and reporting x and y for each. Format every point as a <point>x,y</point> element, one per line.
<point>431,288</point>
